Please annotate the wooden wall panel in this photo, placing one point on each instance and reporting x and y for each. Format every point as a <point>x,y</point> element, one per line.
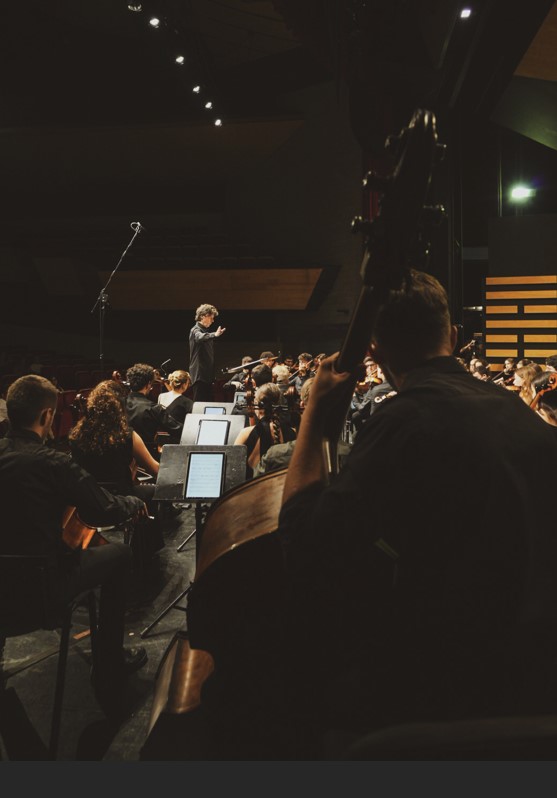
<point>227,289</point>
<point>516,323</point>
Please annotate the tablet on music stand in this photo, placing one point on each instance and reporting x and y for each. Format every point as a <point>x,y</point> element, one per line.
<point>205,475</point>
<point>215,411</point>
<point>212,432</point>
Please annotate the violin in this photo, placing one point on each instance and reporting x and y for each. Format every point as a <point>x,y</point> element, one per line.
<point>235,601</point>
<point>550,385</point>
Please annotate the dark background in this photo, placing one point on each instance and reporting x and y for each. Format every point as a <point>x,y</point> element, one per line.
<point>99,128</point>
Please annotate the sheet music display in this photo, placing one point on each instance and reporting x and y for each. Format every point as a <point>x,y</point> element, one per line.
<point>212,432</point>
<point>205,475</point>
<point>215,411</point>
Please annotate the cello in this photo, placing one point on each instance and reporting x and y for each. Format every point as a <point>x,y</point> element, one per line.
<point>234,604</point>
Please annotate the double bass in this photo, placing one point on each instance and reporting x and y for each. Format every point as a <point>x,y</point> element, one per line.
<point>234,604</point>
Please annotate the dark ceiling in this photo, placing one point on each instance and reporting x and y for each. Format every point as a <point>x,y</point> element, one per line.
<point>75,72</point>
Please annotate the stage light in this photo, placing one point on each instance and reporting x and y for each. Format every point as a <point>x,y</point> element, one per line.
<point>465,13</point>
<point>196,89</point>
<point>154,22</point>
<point>209,105</point>
<point>218,123</point>
<point>137,7</point>
<point>179,59</point>
<point>519,193</point>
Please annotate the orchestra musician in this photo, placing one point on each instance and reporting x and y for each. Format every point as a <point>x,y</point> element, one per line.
<point>425,614</point>
<point>37,484</point>
<point>303,373</point>
<point>239,380</point>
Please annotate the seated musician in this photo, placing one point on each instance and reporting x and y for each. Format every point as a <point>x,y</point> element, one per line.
<point>103,443</point>
<point>379,389</point>
<point>522,380</point>
<point>180,405</point>
<point>37,484</point>
<point>545,397</point>
<point>303,372</point>
<point>145,416</point>
<point>278,455</point>
<point>270,426</point>
<point>395,618</point>
<point>268,358</point>
<point>237,382</point>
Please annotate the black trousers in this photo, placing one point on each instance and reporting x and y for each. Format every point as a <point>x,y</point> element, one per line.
<point>202,391</point>
<point>109,567</point>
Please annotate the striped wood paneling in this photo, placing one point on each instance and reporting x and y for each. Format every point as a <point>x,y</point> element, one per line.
<point>515,323</point>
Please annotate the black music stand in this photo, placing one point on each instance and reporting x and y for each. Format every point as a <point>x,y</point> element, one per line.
<point>171,486</point>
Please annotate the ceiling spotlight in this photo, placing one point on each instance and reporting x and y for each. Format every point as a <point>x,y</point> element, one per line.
<point>180,59</point>
<point>135,7</point>
<point>209,105</point>
<point>196,89</point>
<point>218,122</point>
<point>154,22</point>
<point>521,193</point>
<point>465,13</point>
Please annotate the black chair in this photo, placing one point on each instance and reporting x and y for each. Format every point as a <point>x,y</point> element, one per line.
<point>28,603</point>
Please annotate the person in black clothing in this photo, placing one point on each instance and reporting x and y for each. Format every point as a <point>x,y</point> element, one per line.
<point>37,485</point>
<point>201,352</point>
<point>303,373</point>
<point>145,416</point>
<point>178,409</point>
<point>438,610</point>
<point>375,395</point>
<point>271,426</point>
<point>237,381</point>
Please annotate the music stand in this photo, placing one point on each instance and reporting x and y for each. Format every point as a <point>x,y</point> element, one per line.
<point>206,407</point>
<point>171,486</point>
<point>191,430</point>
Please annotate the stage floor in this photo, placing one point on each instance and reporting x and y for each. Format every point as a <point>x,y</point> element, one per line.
<point>85,733</point>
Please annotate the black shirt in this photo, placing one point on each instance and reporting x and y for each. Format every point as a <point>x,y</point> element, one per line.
<point>37,484</point>
<point>147,418</point>
<point>201,345</point>
<point>411,572</point>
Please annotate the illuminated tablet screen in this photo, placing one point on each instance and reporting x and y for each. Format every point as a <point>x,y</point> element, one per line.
<point>212,432</point>
<point>205,475</point>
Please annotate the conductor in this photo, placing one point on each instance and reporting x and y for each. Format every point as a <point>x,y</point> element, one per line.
<point>201,343</point>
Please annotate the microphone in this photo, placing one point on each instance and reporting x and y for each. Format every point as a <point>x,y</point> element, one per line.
<point>137,226</point>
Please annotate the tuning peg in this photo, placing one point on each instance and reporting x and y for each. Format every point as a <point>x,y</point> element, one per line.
<point>375,182</point>
<point>433,214</point>
<point>360,225</point>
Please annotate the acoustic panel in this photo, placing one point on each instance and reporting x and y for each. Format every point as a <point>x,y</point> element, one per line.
<point>227,289</point>
<point>530,325</point>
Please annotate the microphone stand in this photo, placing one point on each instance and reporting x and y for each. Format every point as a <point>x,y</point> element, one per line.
<point>102,299</point>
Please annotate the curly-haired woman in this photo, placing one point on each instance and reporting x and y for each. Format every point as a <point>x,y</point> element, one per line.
<point>103,443</point>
